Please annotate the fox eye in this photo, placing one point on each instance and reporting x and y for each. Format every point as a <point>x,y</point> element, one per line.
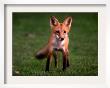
<point>64,31</point>
<point>57,31</point>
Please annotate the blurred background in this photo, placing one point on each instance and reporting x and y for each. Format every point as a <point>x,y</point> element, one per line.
<point>31,32</point>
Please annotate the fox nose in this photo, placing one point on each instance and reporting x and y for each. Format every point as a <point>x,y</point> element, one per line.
<point>62,39</point>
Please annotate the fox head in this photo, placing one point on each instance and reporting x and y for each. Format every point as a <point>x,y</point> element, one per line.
<point>60,30</point>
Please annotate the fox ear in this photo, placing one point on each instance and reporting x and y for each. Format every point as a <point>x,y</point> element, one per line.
<point>68,21</point>
<point>53,21</point>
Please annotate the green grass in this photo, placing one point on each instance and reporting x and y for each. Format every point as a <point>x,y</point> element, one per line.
<point>31,32</point>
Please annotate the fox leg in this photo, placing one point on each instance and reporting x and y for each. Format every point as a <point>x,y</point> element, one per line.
<point>55,55</point>
<point>49,59</point>
<point>68,64</point>
<point>64,60</point>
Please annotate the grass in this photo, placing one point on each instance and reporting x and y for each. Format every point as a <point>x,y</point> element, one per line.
<point>31,32</point>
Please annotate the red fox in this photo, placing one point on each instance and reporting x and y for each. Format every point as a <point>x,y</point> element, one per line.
<point>58,41</point>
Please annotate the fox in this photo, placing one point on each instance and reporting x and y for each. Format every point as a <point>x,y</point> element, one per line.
<point>58,42</point>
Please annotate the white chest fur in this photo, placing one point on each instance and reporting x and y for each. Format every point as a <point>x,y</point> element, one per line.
<point>57,44</point>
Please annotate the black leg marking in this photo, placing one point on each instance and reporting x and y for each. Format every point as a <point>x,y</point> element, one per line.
<point>47,64</point>
<point>56,58</point>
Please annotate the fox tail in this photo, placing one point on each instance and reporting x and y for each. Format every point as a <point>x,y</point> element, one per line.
<point>41,54</point>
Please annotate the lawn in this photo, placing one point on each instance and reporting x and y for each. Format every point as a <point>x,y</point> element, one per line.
<point>31,32</point>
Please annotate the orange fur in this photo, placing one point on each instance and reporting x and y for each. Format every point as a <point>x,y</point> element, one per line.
<point>58,41</point>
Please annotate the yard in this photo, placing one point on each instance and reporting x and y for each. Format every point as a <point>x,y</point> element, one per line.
<point>31,32</point>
